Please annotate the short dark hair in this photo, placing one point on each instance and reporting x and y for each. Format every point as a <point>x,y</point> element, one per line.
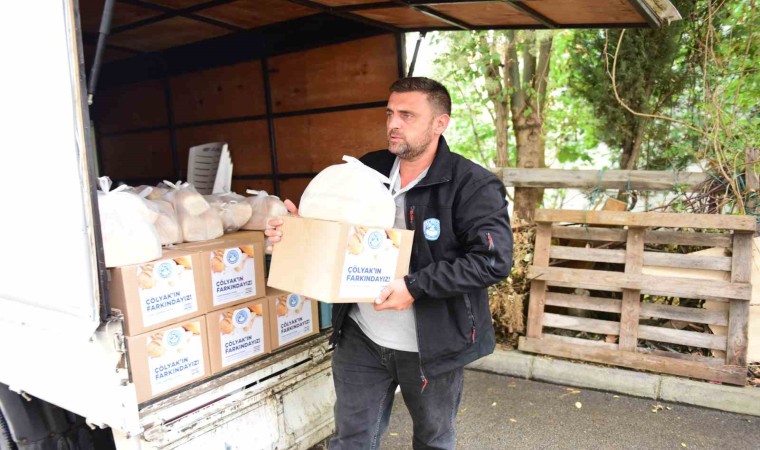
<point>437,93</point>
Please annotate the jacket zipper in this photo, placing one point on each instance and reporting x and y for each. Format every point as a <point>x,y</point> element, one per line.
<point>423,378</point>
<point>469,314</point>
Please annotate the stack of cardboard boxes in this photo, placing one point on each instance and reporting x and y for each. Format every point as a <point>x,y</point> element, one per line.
<point>202,309</point>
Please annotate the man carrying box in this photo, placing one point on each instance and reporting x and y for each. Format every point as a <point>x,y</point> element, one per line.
<point>425,327</point>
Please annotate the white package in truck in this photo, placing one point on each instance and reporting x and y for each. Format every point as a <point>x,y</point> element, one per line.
<point>197,220</point>
<point>127,225</point>
<point>233,208</point>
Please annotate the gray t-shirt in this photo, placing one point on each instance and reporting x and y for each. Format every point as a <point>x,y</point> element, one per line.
<point>390,328</point>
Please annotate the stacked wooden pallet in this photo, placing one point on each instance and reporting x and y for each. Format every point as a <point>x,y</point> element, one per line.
<point>621,289</point>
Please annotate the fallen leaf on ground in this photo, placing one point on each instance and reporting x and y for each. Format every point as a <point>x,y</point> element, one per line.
<point>493,404</point>
<point>615,396</point>
<point>513,420</point>
<point>394,434</point>
<point>683,444</point>
<point>578,405</point>
<point>656,408</point>
<point>570,391</point>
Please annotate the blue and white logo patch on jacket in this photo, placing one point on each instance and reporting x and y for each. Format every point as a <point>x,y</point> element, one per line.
<point>431,228</point>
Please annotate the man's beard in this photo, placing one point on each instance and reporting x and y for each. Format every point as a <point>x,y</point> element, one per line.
<point>408,151</point>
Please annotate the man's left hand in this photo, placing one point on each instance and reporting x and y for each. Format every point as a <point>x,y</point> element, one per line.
<point>394,296</point>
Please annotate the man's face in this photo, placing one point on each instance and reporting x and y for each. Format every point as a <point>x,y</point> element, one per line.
<point>410,124</point>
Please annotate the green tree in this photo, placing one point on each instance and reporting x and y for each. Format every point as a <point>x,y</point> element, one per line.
<point>650,77</point>
<point>509,73</point>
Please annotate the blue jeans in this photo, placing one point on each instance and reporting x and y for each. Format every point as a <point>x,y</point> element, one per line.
<point>366,376</point>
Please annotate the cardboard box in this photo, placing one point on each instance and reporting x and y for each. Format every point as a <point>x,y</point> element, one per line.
<point>168,358</point>
<point>337,262</point>
<point>233,268</point>
<point>238,334</point>
<point>292,317</point>
<point>155,294</point>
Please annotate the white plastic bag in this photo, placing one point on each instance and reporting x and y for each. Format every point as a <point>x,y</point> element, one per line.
<point>127,225</point>
<point>352,193</point>
<point>197,220</point>
<point>167,224</point>
<point>234,210</point>
<point>264,208</point>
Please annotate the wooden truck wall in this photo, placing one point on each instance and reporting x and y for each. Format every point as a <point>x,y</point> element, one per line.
<point>323,103</point>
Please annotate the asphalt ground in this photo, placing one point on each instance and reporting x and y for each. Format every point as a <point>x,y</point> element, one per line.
<point>501,412</point>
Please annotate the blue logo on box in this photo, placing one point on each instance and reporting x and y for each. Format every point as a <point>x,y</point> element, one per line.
<point>233,256</point>
<point>242,316</point>
<point>375,239</point>
<point>165,270</point>
<point>293,300</point>
<point>431,228</point>
<point>174,337</point>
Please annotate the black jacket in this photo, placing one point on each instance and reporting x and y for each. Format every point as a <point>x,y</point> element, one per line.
<point>468,247</point>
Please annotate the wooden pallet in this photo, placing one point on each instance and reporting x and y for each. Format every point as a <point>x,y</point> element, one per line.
<point>621,292</point>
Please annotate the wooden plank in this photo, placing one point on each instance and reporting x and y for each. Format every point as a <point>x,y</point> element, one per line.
<point>684,314</point>
<point>165,34</point>
<point>312,142</point>
<point>538,287</point>
<point>655,310</point>
<point>240,186</point>
<point>317,78</point>
<point>652,363</point>
<point>707,360</point>
<point>581,324</point>
<point>681,337</point>
<point>648,219</point>
<point>578,341</point>
<point>402,18</point>
<point>691,238</point>
<point>644,180</point>
<point>687,261</point>
<point>256,13</point>
<point>586,302</point>
<point>292,188</point>
<point>136,105</point>
<point>631,303</point>
<point>589,233</point>
<point>588,11</point>
<point>219,93</point>
<point>738,316</point>
<point>700,274</point>
<point>248,142</point>
<point>588,254</point>
<point>647,284</point>
<point>138,155</point>
<point>485,13</point>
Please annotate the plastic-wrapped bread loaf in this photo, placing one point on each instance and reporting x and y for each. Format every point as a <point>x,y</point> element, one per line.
<point>234,210</point>
<point>352,193</point>
<point>167,224</point>
<point>127,225</point>
<point>264,208</point>
<point>197,220</point>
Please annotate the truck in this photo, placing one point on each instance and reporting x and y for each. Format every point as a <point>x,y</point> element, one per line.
<point>124,88</point>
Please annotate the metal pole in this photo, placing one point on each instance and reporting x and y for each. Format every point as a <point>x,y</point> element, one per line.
<point>105,28</point>
<point>416,52</point>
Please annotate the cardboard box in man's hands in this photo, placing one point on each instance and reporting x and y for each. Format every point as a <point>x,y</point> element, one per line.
<point>337,262</point>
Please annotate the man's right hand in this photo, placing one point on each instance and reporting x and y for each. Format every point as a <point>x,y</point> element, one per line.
<point>273,231</point>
